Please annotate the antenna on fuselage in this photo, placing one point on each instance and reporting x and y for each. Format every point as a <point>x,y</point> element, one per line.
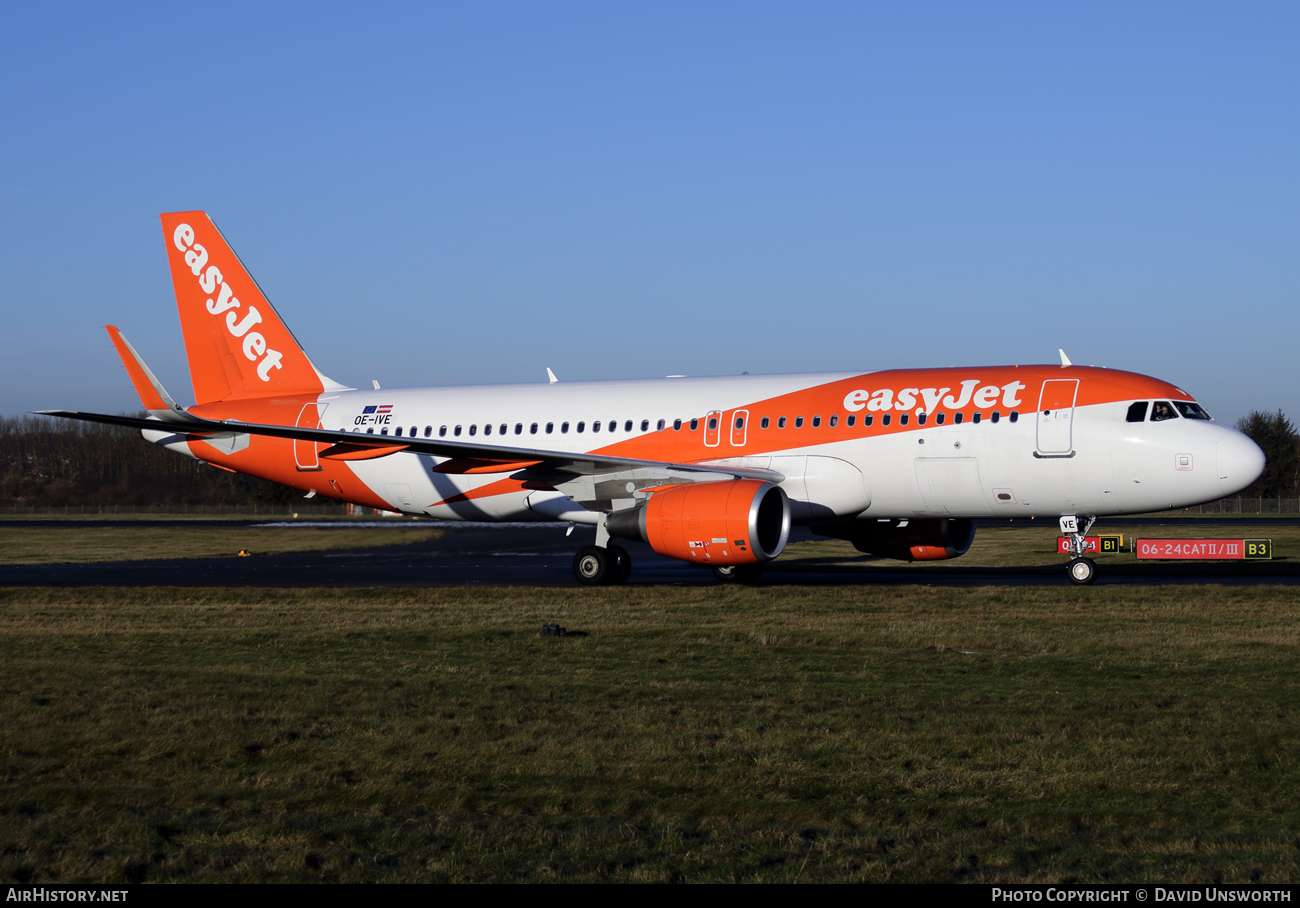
<point>1065,360</point>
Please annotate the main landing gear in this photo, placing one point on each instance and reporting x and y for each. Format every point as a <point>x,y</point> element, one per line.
<point>596,565</point>
<point>739,573</point>
<point>1082,571</point>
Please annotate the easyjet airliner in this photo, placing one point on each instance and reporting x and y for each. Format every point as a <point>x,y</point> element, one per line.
<point>712,471</point>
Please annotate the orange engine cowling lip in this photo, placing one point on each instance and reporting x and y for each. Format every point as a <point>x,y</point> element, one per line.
<point>742,521</point>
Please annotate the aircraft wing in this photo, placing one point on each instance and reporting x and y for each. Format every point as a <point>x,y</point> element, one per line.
<point>575,473</point>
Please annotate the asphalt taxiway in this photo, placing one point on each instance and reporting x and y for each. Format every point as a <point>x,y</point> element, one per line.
<point>541,555</point>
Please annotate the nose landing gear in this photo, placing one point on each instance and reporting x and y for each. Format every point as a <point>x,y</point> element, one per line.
<point>1082,571</point>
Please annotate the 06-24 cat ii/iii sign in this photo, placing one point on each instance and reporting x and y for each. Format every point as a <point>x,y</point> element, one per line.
<point>1206,549</point>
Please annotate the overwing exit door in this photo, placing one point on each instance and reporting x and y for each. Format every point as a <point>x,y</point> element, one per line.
<point>713,428</point>
<point>739,428</point>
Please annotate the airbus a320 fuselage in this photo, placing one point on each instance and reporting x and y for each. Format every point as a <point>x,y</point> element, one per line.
<point>713,471</point>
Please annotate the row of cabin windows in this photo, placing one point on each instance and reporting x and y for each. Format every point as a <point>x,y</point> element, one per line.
<point>612,426</point>
<point>903,419</point>
<point>504,428</point>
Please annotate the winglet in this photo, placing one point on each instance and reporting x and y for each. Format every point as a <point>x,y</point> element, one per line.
<point>1065,360</point>
<point>152,394</point>
<point>551,375</point>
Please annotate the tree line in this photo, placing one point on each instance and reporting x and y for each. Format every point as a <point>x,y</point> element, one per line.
<point>47,462</point>
<point>1277,437</point>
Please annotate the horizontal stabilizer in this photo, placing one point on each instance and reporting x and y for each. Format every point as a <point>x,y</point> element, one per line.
<point>153,395</point>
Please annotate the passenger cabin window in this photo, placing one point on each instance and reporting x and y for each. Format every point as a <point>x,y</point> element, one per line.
<point>695,424</point>
<point>1014,416</point>
<point>740,422</point>
<point>677,425</point>
<point>868,419</point>
<point>938,419</point>
<point>487,430</point>
<point>817,421</point>
<point>581,425</point>
<point>519,428</point>
<point>532,430</point>
<point>413,430</point>
<point>920,419</point>
<point>956,419</point>
<point>1162,410</point>
<point>503,428</point>
<point>442,432</point>
<point>645,425</point>
<point>765,422</point>
<point>852,420</point>
<point>550,427</point>
<point>976,417</point>
<point>398,431</point>
<point>780,423</point>
<point>902,420</point>
<point>835,421</point>
<point>473,429</point>
<point>1137,412</point>
<point>595,426</point>
<point>1191,410</point>
<point>661,425</point>
<point>713,423</point>
<point>564,428</point>
<point>798,422</point>
<point>627,426</point>
<point>884,420</point>
<point>996,415</point>
<point>428,431</point>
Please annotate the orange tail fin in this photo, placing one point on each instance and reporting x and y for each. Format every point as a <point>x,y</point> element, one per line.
<point>236,342</point>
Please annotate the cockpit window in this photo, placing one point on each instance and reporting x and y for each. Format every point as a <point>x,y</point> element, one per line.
<point>1138,412</point>
<point>1191,410</point>
<point>1162,409</point>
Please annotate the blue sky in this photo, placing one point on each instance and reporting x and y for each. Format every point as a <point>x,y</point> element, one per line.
<point>467,193</point>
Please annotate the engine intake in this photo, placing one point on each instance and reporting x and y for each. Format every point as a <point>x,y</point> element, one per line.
<point>742,521</point>
<point>919,540</point>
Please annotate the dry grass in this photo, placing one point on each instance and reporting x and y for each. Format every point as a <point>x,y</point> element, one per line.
<point>78,545</point>
<point>697,733</point>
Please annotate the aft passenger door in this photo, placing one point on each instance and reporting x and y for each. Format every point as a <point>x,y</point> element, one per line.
<point>304,452</point>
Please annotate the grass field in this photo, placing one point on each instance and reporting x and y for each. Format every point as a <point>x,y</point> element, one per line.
<point>696,733</point>
<point>77,545</point>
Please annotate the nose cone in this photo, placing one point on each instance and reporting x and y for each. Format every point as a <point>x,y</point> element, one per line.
<point>1241,462</point>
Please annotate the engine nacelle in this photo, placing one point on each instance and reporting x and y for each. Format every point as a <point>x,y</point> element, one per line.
<point>919,540</point>
<point>742,521</point>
